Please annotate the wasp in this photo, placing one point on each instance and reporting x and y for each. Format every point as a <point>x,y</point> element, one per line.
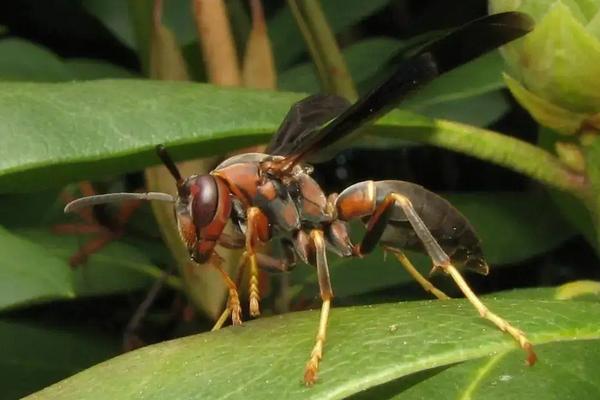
<point>271,196</point>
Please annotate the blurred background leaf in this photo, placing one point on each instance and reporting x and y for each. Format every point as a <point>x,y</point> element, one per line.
<point>35,355</point>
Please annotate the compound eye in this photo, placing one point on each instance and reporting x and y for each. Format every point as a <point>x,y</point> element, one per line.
<point>204,199</point>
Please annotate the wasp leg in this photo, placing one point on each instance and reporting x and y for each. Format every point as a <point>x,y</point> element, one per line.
<point>257,229</point>
<point>500,322</point>
<point>375,228</point>
<point>233,304</point>
<point>238,280</point>
<point>318,241</point>
<point>416,275</point>
<point>442,261</point>
<point>265,262</point>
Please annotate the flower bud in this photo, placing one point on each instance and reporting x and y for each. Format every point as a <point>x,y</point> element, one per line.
<point>554,71</point>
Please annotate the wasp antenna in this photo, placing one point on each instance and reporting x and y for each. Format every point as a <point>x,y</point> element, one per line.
<point>161,151</point>
<point>116,197</point>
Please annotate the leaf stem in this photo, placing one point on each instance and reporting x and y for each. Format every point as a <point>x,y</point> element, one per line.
<point>329,61</point>
<point>495,147</point>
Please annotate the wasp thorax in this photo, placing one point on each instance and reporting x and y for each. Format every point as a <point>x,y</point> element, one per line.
<point>203,199</point>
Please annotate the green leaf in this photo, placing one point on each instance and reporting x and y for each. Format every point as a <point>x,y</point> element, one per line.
<point>43,277</point>
<point>37,209</point>
<point>53,133</point>
<point>21,60</point>
<point>481,110</point>
<point>366,346</point>
<point>341,14</point>
<point>118,267</point>
<point>34,356</point>
<point>35,269</point>
<point>561,375</point>
<point>114,14</point>
<point>359,59</point>
<point>479,103</point>
<point>513,226</point>
<point>85,69</point>
<point>483,75</point>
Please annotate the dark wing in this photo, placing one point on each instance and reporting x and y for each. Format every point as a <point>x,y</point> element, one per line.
<point>452,50</point>
<point>303,120</point>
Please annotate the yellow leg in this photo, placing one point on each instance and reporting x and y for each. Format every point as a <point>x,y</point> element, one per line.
<point>233,304</point>
<point>253,289</point>
<point>500,322</point>
<point>227,311</point>
<point>310,372</point>
<point>410,268</point>
<point>253,215</point>
<point>224,316</point>
<point>442,261</point>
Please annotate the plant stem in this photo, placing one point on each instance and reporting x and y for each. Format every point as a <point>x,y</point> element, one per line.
<point>491,146</point>
<point>140,17</point>
<point>328,59</point>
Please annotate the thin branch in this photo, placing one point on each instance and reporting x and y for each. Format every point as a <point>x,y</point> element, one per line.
<point>495,147</point>
<point>324,50</point>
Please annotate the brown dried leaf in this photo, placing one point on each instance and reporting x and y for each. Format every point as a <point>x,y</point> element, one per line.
<point>216,41</point>
<point>259,66</point>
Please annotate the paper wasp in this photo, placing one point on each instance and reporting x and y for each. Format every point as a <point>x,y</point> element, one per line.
<point>271,196</point>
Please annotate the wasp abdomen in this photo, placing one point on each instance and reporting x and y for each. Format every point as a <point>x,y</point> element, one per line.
<point>448,226</point>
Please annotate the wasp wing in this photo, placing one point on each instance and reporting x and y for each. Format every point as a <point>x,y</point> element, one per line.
<point>303,121</point>
<point>457,47</point>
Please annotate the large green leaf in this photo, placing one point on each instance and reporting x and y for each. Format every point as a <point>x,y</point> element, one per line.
<point>45,277</point>
<point>483,75</point>
<point>54,133</point>
<point>118,267</point>
<point>479,103</point>
<point>114,14</point>
<point>503,374</point>
<point>561,375</point>
<point>35,269</point>
<point>21,60</point>
<point>366,346</point>
<point>513,226</point>
<point>86,69</point>
<point>34,356</point>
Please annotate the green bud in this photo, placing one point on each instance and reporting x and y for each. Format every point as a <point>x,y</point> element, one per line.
<point>571,155</point>
<point>554,71</point>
